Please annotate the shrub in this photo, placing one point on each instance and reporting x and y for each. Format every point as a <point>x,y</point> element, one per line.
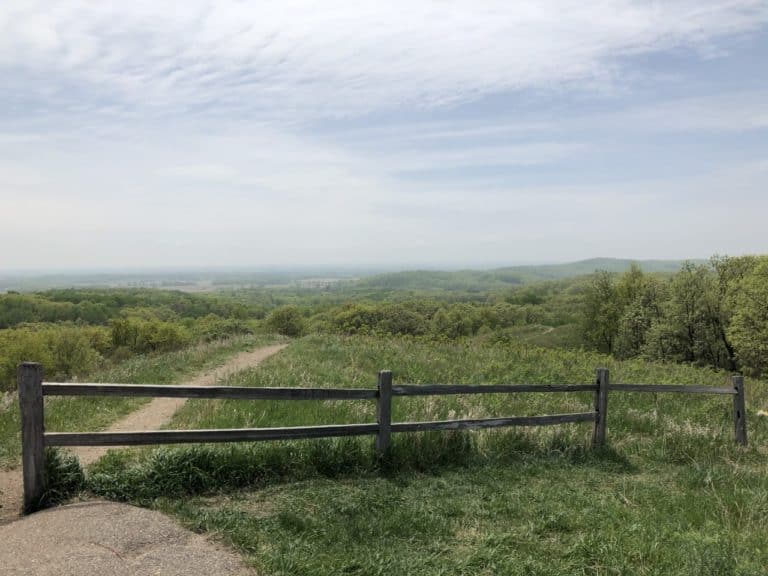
<point>286,320</point>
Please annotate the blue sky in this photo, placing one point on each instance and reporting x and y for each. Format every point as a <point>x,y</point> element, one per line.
<point>405,134</point>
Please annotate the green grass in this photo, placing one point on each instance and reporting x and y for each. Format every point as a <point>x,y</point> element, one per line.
<point>672,494</point>
<point>81,414</point>
<point>532,516</point>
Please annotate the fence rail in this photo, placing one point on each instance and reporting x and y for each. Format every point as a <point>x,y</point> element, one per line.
<point>209,392</point>
<point>445,389</point>
<point>34,438</point>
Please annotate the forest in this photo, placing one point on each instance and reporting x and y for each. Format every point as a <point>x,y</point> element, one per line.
<point>711,313</point>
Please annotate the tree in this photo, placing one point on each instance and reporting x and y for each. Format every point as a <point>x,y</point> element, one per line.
<point>644,308</point>
<point>749,326</point>
<point>602,311</point>
<point>692,327</point>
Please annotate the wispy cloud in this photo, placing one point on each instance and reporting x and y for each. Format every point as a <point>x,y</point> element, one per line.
<point>296,58</point>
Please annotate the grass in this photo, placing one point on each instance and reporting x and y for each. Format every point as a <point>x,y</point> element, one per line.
<point>673,494</point>
<point>94,413</point>
<point>538,516</point>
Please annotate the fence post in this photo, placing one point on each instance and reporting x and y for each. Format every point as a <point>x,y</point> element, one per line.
<point>384,412</point>
<point>739,409</point>
<point>601,407</point>
<point>30,384</point>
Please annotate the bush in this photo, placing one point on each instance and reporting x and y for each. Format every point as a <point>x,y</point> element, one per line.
<point>212,327</point>
<point>286,320</point>
<point>142,336</point>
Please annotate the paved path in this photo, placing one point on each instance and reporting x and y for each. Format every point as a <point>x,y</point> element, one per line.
<point>103,538</point>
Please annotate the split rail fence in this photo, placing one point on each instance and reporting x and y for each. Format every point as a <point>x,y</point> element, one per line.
<point>34,438</point>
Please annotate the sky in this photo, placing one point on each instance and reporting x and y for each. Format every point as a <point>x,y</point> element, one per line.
<point>401,133</point>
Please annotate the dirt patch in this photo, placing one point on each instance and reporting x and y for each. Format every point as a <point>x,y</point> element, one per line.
<point>97,538</point>
<point>11,491</point>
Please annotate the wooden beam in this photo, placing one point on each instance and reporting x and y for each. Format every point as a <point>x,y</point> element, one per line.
<point>682,389</point>
<point>739,409</point>
<point>188,436</point>
<point>601,407</point>
<point>444,389</point>
<point>493,422</point>
<point>384,412</point>
<point>29,378</point>
<point>210,392</point>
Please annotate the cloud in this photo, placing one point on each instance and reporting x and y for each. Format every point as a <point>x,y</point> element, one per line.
<point>292,60</point>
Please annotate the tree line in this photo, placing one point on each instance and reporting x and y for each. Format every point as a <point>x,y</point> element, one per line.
<point>713,314</point>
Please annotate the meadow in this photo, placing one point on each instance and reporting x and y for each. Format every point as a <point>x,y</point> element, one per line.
<point>671,494</point>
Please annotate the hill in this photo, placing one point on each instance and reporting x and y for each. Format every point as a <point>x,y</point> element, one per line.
<point>509,276</point>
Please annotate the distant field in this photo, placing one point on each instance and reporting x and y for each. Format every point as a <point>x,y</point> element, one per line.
<point>321,278</point>
<point>673,494</point>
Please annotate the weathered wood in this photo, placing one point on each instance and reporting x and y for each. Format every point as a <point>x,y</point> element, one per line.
<point>493,422</point>
<point>739,409</point>
<point>384,412</point>
<point>444,389</point>
<point>601,408</point>
<point>187,436</point>
<point>212,392</point>
<point>29,379</point>
<point>677,388</point>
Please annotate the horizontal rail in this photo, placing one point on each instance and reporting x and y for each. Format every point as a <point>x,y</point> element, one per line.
<point>494,422</point>
<point>444,389</point>
<point>219,392</point>
<point>187,436</point>
<point>680,389</point>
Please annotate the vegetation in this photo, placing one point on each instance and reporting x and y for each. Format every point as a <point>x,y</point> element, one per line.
<point>74,332</point>
<point>674,494</point>
<point>709,314</point>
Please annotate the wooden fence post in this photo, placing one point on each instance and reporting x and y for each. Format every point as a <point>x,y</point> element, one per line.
<point>384,412</point>
<point>739,410</point>
<point>30,384</point>
<point>601,407</point>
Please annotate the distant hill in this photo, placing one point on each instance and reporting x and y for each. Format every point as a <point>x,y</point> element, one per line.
<point>509,276</point>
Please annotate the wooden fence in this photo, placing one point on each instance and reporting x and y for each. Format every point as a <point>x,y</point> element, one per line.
<point>34,439</point>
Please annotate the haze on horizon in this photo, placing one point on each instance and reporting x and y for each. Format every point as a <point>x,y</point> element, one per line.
<point>152,134</point>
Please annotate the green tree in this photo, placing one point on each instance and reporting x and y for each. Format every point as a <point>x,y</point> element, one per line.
<point>749,326</point>
<point>602,312</point>
<point>644,308</point>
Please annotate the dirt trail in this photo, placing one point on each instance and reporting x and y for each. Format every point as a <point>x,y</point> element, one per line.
<point>152,416</point>
<point>159,411</point>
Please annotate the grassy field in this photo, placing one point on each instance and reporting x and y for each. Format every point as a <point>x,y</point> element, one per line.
<point>672,494</point>
<point>75,413</point>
